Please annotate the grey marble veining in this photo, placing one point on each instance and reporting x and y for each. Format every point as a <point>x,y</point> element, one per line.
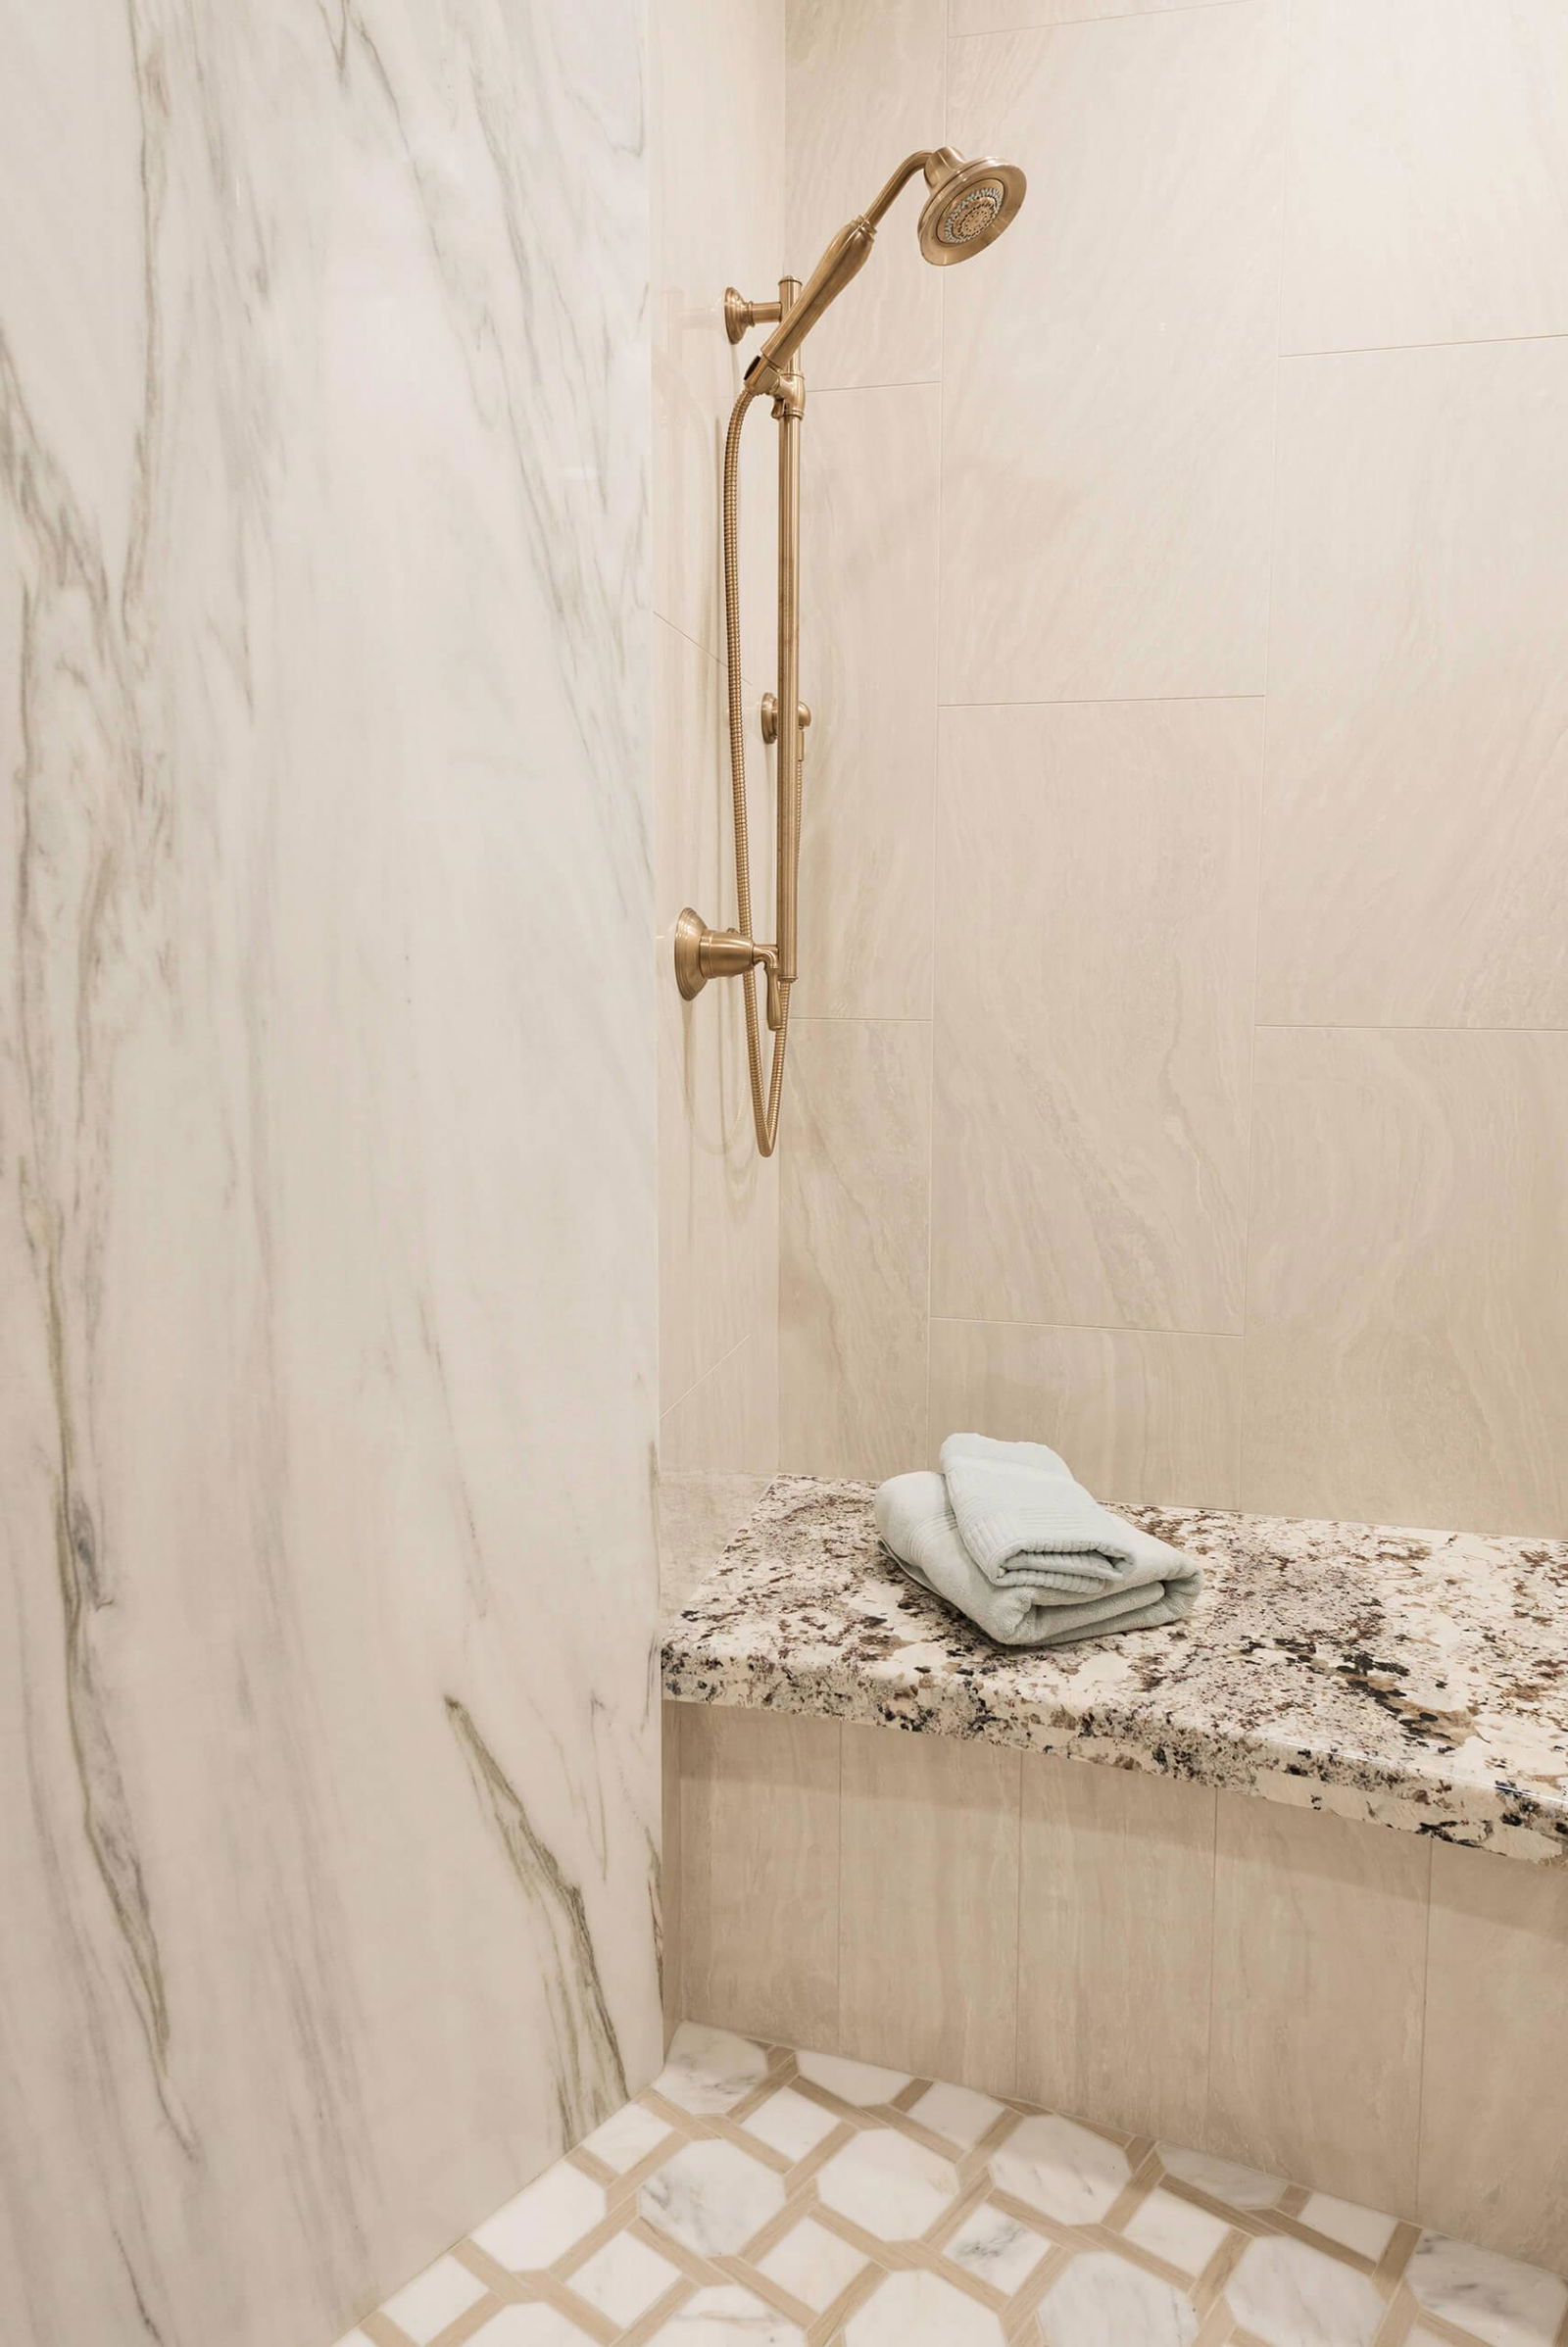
<point>327,1755</point>
<point>1417,1680</point>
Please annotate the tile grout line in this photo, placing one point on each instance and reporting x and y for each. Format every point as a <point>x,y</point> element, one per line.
<point>1261,801</point>
<point>1119,16</point>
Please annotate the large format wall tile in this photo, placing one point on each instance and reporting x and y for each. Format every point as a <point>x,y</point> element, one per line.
<point>1115,1940</point>
<point>1407,1352</point>
<point>716,154</point>
<point>1096,871</point>
<point>867,82</point>
<point>1138,1415</point>
<point>869,656</point>
<point>759,1884</point>
<point>1494,2161</point>
<point>1416,852</point>
<point>717,1200</point>
<point>1429,173</point>
<point>1319,1955</point>
<point>854,1243</point>
<point>928,1863</point>
<point>1110,371</point>
<point>326,1223</point>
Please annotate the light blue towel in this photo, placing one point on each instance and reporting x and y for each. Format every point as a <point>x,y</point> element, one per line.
<point>1006,1535</point>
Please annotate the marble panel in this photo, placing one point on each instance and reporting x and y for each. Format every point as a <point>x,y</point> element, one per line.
<point>326,1226</point>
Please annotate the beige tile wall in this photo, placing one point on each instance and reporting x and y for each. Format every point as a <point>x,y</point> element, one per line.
<point>1235,856</point>
<point>716,138</point>
<point>1358,2010</point>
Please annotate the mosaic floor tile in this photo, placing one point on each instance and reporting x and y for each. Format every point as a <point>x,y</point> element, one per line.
<point>543,2221</point>
<point>1064,2170</point>
<point>996,2248</point>
<point>1503,2303</point>
<point>1366,2230</point>
<point>753,2197</point>
<point>1293,2296</point>
<point>888,2184</point>
<point>1103,2301</point>
<point>812,2265</point>
<point>919,2310</point>
<point>434,2299</point>
<point>712,2197</point>
<point>1175,2231</point>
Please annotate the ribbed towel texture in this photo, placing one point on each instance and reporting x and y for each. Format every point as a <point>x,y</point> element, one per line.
<point>1005,1535</point>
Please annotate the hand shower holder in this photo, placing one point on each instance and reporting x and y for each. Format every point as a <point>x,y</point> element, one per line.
<point>968,206</point>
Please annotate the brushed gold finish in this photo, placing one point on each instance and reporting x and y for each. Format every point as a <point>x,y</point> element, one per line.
<point>970,205</point>
<point>769,716</point>
<point>740,315</point>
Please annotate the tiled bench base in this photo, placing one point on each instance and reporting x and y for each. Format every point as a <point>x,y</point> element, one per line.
<point>1375,2015</point>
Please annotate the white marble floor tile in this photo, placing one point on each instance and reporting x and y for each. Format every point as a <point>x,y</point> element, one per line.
<point>996,2248</point>
<point>715,2317</point>
<point>1174,2231</point>
<point>624,2277</point>
<point>626,2137</point>
<point>919,2273</point>
<point>891,2187</point>
<point>1103,2301</point>
<point>860,2083</point>
<point>1221,2180</point>
<point>530,2327</point>
<point>710,2070</point>
<point>812,2263</point>
<point>542,2222</point>
<point>1367,2231</point>
<point>786,2123</point>
<point>1503,2303</point>
<point>1293,2296</point>
<point>1063,2169</point>
<point>433,2299</point>
<point>957,2111</point>
<point>917,2309</point>
<point>712,2196</point>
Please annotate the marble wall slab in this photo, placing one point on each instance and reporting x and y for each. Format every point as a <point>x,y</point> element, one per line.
<point>327,1402</point>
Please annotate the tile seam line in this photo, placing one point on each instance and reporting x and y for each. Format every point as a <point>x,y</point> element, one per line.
<point>1388,1027</point>
<point>1090,1328</point>
<point>1110,699</point>
<point>1268,711</point>
<point>712,1370</point>
<point>1120,16</point>
<point>1448,342</point>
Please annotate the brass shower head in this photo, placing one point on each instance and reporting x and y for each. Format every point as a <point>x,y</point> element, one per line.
<point>969,203</point>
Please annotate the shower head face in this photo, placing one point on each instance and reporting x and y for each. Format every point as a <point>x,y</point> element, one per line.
<point>968,208</point>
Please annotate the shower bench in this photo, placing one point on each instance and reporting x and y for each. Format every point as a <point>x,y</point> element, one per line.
<point>1287,1881</point>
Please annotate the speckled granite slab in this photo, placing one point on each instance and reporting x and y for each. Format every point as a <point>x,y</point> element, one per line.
<point>1417,1680</point>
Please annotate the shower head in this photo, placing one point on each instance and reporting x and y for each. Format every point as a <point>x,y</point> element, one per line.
<point>970,205</point>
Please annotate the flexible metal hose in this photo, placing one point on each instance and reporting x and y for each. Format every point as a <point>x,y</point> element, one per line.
<point>765,1114</point>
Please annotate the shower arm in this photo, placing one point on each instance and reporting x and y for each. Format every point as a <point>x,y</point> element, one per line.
<point>702,953</point>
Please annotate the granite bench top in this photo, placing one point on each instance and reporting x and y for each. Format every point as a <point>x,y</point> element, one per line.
<point>1417,1680</point>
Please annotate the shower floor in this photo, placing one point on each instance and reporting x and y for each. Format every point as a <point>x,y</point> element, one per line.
<point>763,2196</point>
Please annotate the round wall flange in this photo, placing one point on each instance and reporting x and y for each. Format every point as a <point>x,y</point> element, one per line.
<point>690,975</point>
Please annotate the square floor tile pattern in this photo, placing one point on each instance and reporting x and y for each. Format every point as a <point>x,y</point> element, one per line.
<point>756,2197</point>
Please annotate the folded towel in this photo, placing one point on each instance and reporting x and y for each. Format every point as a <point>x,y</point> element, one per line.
<point>1114,1577</point>
<point>1023,1518</point>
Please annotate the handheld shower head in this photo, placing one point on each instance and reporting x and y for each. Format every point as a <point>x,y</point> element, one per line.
<point>970,205</point>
